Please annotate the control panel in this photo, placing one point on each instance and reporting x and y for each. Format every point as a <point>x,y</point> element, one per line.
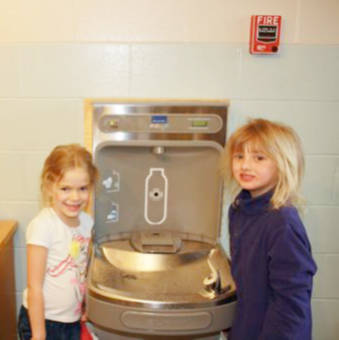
<point>160,123</point>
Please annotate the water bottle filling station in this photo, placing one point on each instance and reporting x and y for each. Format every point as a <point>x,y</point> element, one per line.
<point>157,268</point>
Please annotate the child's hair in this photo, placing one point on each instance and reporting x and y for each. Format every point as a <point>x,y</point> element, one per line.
<point>279,143</point>
<point>62,159</point>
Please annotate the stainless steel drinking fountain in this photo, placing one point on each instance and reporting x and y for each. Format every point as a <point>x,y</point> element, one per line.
<point>157,270</point>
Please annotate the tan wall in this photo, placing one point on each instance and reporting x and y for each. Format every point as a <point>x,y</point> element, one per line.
<point>54,54</point>
<point>215,21</point>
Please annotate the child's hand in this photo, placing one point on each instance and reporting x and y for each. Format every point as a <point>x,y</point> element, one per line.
<point>84,316</point>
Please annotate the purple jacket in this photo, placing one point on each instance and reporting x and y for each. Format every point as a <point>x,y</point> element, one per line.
<point>273,269</point>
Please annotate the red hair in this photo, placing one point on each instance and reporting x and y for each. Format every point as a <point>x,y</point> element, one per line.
<point>62,159</point>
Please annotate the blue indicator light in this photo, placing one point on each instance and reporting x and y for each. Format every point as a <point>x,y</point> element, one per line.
<point>159,119</point>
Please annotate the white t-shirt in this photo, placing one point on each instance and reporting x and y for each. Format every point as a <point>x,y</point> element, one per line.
<point>64,284</point>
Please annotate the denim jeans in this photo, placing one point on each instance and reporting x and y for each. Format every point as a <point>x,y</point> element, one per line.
<point>54,330</point>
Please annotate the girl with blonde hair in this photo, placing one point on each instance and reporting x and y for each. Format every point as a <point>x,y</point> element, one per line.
<point>271,256</point>
<point>57,247</point>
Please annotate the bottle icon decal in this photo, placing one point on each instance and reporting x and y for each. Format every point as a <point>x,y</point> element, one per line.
<point>113,215</point>
<point>107,183</point>
<point>112,183</point>
<point>156,192</point>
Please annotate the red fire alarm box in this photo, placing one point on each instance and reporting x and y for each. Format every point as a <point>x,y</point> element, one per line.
<point>265,34</point>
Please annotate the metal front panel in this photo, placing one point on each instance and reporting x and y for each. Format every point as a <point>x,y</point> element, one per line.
<point>178,190</point>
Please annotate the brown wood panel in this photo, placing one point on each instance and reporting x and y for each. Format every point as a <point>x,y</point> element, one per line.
<point>7,281</point>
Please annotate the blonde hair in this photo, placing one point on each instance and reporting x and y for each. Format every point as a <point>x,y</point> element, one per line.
<point>62,159</point>
<point>278,142</point>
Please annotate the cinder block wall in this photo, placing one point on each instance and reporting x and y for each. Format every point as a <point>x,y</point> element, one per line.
<point>55,54</point>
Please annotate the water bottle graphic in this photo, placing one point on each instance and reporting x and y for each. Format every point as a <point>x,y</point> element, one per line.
<point>156,192</point>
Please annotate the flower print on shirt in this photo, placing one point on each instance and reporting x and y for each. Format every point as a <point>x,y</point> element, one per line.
<point>76,261</point>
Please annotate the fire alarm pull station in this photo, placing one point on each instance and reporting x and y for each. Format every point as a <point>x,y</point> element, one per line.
<point>265,34</point>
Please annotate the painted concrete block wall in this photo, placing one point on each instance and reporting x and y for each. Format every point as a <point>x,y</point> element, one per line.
<point>53,55</point>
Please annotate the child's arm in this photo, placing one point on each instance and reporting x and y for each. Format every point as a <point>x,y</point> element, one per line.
<point>36,269</point>
<point>291,270</point>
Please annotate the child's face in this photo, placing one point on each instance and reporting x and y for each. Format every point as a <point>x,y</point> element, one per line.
<point>254,171</point>
<point>70,195</point>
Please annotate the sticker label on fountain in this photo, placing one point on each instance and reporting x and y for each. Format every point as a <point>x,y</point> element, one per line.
<point>156,191</point>
<point>113,215</point>
<point>159,119</point>
<point>158,123</point>
<point>112,183</point>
